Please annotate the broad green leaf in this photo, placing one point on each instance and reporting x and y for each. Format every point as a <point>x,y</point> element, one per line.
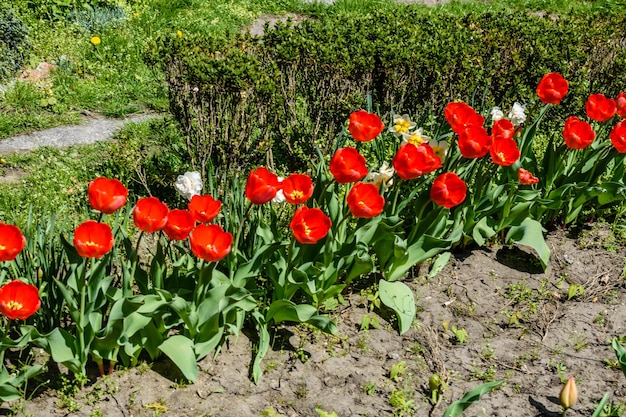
<point>285,310</point>
<point>456,408</point>
<point>482,231</point>
<point>620,352</point>
<point>263,346</point>
<point>62,346</point>
<point>398,297</point>
<point>180,350</point>
<point>530,233</point>
<point>9,393</point>
<point>440,263</point>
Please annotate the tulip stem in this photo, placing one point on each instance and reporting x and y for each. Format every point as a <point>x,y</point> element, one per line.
<point>81,325</point>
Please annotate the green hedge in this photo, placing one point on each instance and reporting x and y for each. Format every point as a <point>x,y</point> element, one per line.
<point>293,88</point>
<point>14,43</point>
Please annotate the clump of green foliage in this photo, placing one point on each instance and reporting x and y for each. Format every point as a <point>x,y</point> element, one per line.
<point>14,43</point>
<point>292,88</point>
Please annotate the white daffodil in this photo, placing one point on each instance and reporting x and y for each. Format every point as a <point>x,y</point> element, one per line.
<point>280,196</point>
<point>401,124</point>
<point>416,137</point>
<point>496,114</point>
<point>517,115</point>
<point>384,174</point>
<point>189,184</point>
<point>440,148</point>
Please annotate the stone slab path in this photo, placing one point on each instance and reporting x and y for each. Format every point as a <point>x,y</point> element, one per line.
<point>93,130</point>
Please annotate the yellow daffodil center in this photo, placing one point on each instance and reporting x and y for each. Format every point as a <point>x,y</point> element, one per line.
<point>415,139</point>
<point>296,194</point>
<point>439,151</point>
<point>14,305</point>
<point>402,126</point>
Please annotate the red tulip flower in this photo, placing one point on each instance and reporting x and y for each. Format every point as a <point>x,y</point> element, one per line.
<point>474,142</point>
<point>364,200</point>
<point>502,129</point>
<point>413,161</point>
<point>150,214</point>
<point>262,186</point>
<point>448,190</point>
<point>577,134</point>
<point>620,103</point>
<point>348,165</point>
<point>93,239</point>
<point>210,242</point>
<point>12,241</point>
<point>107,195</point>
<point>19,300</point>
<point>618,136</point>
<point>364,126</point>
<point>504,152</point>
<point>297,188</point>
<point>309,225</point>
<point>460,116</point>
<point>552,88</point>
<point>204,208</point>
<point>526,177</point>
<point>179,224</point>
<point>600,108</point>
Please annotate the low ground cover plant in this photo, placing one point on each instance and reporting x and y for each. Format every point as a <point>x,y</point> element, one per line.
<point>145,278</point>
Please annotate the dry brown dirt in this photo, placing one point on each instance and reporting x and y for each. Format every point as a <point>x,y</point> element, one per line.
<point>521,328</point>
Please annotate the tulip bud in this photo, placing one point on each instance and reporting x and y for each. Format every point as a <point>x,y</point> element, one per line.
<point>569,393</point>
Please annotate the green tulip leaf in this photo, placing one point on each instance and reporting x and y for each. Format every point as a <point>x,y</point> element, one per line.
<point>180,350</point>
<point>398,297</point>
<point>530,233</point>
<point>456,408</point>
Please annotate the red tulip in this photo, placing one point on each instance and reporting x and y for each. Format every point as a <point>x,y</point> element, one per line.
<point>552,88</point>
<point>600,108</point>
<point>412,161</point>
<point>11,242</point>
<point>577,134</point>
<point>460,116</point>
<point>297,188</point>
<point>348,165</point>
<point>474,142</point>
<point>365,201</point>
<point>504,152</point>
<point>179,224</point>
<point>448,190</point>
<point>150,214</point>
<point>19,300</point>
<point>309,225</point>
<point>364,126</point>
<point>210,242</point>
<point>502,129</point>
<point>204,208</point>
<point>93,239</point>
<point>620,103</point>
<point>262,186</point>
<point>107,195</point>
<point>526,177</point>
<point>618,136</point>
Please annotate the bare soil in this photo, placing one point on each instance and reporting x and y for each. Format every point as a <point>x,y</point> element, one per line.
<point>522,327</point>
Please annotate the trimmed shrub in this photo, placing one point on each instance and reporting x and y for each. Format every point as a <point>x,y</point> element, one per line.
<point>289,91</point>
<point>14,44</point>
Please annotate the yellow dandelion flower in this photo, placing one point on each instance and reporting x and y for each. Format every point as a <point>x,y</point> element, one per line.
<point>95,40</point>
<point>179,34</point>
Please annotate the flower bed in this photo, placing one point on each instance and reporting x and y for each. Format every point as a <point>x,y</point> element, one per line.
<point>253,259</point>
